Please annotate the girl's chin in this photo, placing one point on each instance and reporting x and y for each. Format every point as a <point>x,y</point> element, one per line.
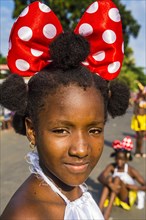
<point>75,183</point>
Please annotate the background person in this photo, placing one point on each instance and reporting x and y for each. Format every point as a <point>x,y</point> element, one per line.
<point>138,121</point>
<point>122,183</point>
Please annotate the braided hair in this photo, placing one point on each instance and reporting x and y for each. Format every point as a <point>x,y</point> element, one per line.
<point>67,51</point>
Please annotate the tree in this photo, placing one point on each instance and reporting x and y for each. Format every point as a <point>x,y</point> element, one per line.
<point>70,11</point>
<point>2,59</point>
<point>130,73</point>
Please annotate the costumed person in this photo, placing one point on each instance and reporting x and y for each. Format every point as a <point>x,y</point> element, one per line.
<point>122,183</point>
<point>138,122</point>
<point>63,108</point>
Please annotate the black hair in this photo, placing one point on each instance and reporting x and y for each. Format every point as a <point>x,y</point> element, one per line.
<point>127,154</point>
<point>67,52</point>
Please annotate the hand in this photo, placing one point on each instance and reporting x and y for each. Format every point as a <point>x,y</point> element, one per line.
<point>136,187</point>
<point>115,187</point>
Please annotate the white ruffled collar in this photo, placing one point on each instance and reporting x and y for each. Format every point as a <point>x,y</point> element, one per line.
<point>81,208</point>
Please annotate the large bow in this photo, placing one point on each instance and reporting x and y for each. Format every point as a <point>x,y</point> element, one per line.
<point>37,26</point>
<point>125,144</point>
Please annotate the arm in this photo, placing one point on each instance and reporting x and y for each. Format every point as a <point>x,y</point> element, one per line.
<point>105,177</point>
<point>138,177</point>
<point>107,180</point>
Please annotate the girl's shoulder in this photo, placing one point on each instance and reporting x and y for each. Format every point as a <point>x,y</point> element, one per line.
<point>34,200</point>
<point>110,167</point>
<point>132,170</point>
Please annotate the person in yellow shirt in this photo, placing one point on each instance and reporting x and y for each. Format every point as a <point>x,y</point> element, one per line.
<point>138,122</point>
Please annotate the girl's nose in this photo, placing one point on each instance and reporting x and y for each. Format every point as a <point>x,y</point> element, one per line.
<point>79,146</point>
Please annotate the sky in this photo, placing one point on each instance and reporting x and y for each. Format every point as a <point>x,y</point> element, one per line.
<point>137,8</point>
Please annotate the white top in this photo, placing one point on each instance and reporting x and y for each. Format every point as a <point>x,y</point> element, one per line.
<point>82,208</point>
<point>124,176</point>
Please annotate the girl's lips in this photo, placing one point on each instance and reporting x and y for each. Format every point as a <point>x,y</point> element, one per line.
<point>77,168</point>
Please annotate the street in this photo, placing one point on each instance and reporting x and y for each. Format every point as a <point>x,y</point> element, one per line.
<point>14,170</point>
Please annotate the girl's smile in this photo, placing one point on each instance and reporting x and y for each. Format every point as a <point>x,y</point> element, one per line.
<point>77,167</point>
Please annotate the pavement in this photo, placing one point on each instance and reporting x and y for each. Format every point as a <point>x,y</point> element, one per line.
<point>14,170</point>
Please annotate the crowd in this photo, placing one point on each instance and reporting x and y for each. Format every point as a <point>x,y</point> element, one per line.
<point>63,110</point>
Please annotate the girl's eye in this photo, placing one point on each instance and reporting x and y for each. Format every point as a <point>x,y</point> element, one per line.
<point>95,131</point>
<point>60,131</point>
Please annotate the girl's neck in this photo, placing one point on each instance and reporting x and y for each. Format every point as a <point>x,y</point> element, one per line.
<point>121,168</point>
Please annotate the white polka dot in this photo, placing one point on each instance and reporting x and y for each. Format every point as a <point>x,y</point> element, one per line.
<point>97,74</point>
<point>24,12</point>
<point>85,29</point>
<point>93,8</point>
<point>113,67</point>
<point>109,36</point>
<point>49,61</point>
<point>25,33</point>
<point>44,8</point>
<point>99,56</point>
<point>36,53</point>
<point>123,47</point>
<point>114,14</point>
<point>85,63</point>
<point>22,65</point>
<point>49,31</point>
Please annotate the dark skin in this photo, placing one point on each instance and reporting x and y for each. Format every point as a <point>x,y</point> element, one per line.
<point>69,138</point>
<point>114,186</point>
<point>138,110</point>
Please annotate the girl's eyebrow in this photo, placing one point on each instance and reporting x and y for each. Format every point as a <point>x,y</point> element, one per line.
<point>69,123</point>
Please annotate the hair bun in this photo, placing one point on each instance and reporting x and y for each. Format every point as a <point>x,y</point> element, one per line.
<point>13,93</point>
<point>68,50</point>
<point>119,98</point>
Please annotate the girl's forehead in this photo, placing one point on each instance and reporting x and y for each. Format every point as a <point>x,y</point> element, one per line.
<point>74,86</point>
<point>120,155</point>
<point>74,100</point>
<point>76,92</point>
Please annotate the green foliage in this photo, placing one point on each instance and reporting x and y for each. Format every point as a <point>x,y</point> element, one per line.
<point>130,73</point>
<point>2,59</point>
<point>3,74</point>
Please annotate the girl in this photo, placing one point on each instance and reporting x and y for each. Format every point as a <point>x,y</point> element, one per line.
<point>64,107</point>
<point>119,180</point>
<point>138,121</point>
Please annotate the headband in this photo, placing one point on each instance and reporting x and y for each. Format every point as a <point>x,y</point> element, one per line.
<point>37,26</point>
<point>126,144</point>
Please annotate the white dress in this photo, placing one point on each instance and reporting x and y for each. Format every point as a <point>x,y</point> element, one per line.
<point>83,208</point>
<point>127,179</point>
<point>124,176</point>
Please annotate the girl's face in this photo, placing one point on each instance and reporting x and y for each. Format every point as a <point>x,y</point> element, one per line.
<point>70,134</point>
<point>120,159</point>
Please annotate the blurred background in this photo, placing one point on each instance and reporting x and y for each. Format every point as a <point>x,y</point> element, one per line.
<point>13,147</point>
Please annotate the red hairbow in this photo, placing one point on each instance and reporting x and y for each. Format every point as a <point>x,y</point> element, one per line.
<point>37,26</point>
<point>126,144</point>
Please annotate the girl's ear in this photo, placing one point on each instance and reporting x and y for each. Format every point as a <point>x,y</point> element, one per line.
<point>30,132</point>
